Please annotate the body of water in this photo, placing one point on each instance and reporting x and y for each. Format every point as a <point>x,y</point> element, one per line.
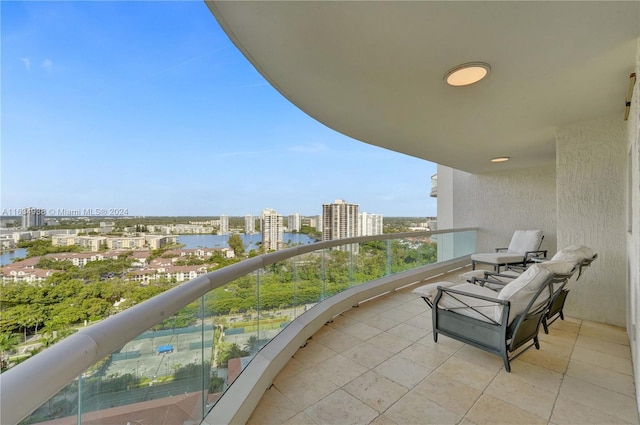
<point>7,257</point>
<point>250,241</point>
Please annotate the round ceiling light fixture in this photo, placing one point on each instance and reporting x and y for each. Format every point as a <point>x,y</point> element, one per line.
<point>467,73</point>
<point>500,159</point>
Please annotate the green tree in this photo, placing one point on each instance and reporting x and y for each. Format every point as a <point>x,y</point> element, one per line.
<point>8,342</point>
<point>235,243</point>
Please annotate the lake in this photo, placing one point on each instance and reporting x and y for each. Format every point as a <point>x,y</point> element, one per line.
<point>7,257</point>
<point>250,241</point>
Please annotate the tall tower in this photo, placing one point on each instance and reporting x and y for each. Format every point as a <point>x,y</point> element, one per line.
<point>339,220</point>
<point>294,222</point>
<point>249,224</point>
<point>224,225</point>
<point>272,229</point>
<point>370,224</point>
<point>32,217</point>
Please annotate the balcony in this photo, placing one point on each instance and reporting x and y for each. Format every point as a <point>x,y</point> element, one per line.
<point>378,364</point>
<point>376,361</point>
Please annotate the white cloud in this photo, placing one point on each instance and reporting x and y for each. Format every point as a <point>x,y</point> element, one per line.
<point>27,63</point>
<point>47,64</point>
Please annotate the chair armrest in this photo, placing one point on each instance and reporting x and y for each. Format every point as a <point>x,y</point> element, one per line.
<point>482,282</point>
<point>501,249</point>
<point>528,255</point>
<point>539,259</point>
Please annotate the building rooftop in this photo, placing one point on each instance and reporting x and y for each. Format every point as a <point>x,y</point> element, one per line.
<point>378,364</point>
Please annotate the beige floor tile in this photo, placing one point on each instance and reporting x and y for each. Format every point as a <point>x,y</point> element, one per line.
<point>605,332</point>
<point>339,341</point>
<point>480,357</point>
<point>609,402</point>
<point>313,353</point>
<point>293,367</point>
<point>323,331</point>
<point>570,412</point>
<point>448,392</point>
<point>603,360</point>
<point>566,325</point>
<point>306,388</point>
<point>415,308</point>
<point>523,395</point>
<point>537,376</point>
<point>409,332</point>
<point>273,408</point>
<point>343,320</point>
<point>603,346</point>
<point>444,344</point>
<point>471,374</point>
<point>340,369</point>
<point>390,342</point>
<point>381,322</point>
<point>398,314</point>
<point>300,419</point>
<point>375,390</point>
<point>362,331</point>
<point>618,382</point>
<point>341,408</point>
<point>367,354</point>
<point>422,321</point>
<point>383,420</point>
<point>546,359</point>
<point>403,371</point>
<point>415,409</point>
<point>492,411</point>
<point>428,357</point>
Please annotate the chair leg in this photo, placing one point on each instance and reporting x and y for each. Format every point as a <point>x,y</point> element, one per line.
<point>545,326</point>
<point>473,265</point>
<point>507,366</point>
<point>435,337</point>
<point>536,342</point>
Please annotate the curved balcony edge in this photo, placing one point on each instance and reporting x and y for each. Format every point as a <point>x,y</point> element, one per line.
<point>238,402</point>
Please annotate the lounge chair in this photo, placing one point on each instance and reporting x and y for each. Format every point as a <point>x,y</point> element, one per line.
<point>580,256</point>
<point>524,245</point>
<point>504,323</point>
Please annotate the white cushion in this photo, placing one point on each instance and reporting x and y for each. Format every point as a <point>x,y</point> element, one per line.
<point>525,240</point>
<point>573,253</point>
<point>520,291</point>
<point>558,267</point>
<point>430,290</point>
<point>498,257</point>
<point>456,302</point>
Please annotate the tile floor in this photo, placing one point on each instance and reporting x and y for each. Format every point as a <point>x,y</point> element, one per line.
<point>377,364</point>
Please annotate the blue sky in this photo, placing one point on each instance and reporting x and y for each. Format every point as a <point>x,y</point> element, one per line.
<point>148,106</point>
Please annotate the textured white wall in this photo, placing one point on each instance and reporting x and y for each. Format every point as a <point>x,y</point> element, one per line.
<point>633,225</point>
<point>501,202</point>
<point>591,188</point>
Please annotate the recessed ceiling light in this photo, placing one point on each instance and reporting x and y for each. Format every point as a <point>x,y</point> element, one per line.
<point>500,159</point>
<point>467,73</point>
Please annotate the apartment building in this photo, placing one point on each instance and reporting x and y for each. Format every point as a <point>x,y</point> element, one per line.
<point>369,224</point>
<point>339,220</point>
<point>271,226</point>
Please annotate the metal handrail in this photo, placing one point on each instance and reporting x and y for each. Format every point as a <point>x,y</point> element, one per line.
<point>28,385</point>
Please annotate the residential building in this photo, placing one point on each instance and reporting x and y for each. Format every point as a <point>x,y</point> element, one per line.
<point>294,222</point>
<point>316,222</point>
<point>224,225</point>
<point>272,228</point>
<point>33,217</point>
<point>249,224</point>
<point>369,224</point>
<point>339,220</point>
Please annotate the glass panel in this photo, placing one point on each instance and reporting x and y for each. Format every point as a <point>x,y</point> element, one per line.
<point>62,405</point>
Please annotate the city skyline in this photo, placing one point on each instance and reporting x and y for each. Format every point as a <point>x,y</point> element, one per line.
<point>147,106</point>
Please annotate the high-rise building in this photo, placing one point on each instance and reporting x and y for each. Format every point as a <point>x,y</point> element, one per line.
<point>369,224</point>
<point>32,217</point>
<point>224,225</point>
<point>249,224</point>
<point>339,220</point>
<point>294,222</point>
<point>271,225</point>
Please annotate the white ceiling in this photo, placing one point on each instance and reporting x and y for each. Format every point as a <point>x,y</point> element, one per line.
<point>374,70</point>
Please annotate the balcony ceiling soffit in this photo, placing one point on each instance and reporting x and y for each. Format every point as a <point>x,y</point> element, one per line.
<point>374,70</point>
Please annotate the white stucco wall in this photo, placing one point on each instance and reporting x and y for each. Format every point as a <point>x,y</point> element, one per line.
<point>501,202</point>
<point>591,189</point>
<point>633,224</point>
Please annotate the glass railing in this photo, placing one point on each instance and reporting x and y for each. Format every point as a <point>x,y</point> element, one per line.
<point>202,334</point>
